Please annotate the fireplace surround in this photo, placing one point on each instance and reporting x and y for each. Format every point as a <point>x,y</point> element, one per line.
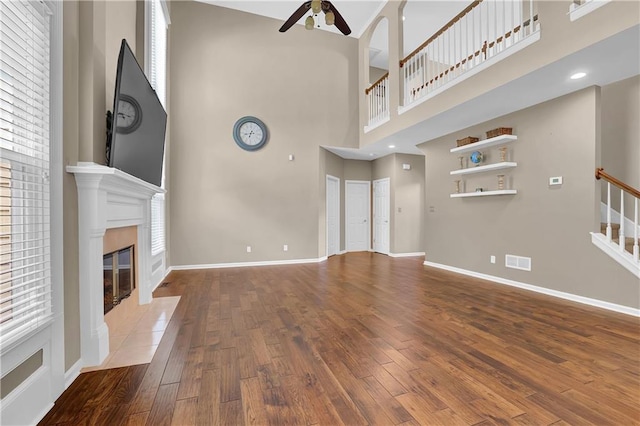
<point>107,199</point>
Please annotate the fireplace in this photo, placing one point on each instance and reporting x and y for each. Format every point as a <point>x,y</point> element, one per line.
<point>119,276</point>
<point>111,203</point>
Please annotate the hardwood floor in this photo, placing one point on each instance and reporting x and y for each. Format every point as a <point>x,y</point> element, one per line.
<point>368,339</point>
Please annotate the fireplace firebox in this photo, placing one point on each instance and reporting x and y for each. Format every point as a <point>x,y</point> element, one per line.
<point>119,276</point>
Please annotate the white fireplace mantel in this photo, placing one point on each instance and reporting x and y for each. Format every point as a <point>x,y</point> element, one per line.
<point>108,198</point>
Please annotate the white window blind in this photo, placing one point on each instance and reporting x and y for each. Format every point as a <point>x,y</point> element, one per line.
<point>157,74</point>
<point>25,265</point>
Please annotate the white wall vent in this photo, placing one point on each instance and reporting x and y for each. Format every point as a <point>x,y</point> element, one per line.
<point>517,262</point>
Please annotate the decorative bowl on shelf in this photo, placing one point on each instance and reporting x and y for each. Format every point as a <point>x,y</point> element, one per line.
<point>476,157</point>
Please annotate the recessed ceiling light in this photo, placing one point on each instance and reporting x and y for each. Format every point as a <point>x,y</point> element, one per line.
<point>392,146</point>
<point>372,154</point>
<point>578,75</point>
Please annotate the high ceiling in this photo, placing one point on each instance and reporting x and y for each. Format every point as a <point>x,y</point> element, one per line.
<point>422,18</point>
<point>357,13</point>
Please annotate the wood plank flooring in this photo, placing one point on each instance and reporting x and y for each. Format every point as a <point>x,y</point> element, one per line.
<point>368,339</point>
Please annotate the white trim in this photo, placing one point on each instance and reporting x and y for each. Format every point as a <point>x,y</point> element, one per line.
<point>373,225</point>
<point>108,198</point>
<point>614,251</point>
<point>475,70</point>
<point>373,17</point>
<point>555,293</point>
<point>377,124</point>
<point>326,213</point>
<point>615,218</point>
<point>247,264</point>
<point>346,212</point>
<point>72,374</point>
<point>415,254</point>
<point>36,393</point>
<point>577,12</point>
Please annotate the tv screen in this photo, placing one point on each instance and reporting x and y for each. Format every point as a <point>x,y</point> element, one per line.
<point>139,122</point>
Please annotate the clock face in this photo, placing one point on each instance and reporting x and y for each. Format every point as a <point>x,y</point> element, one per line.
<point>129,114</point>
<point>250,133</point>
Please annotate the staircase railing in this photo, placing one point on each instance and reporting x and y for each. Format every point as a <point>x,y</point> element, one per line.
<point>482,30</point>
<point>624,188</point>
<point>378,100</point>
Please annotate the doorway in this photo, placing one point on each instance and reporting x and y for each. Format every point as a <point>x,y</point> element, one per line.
<point>381,215</point>
<point>357,215</point>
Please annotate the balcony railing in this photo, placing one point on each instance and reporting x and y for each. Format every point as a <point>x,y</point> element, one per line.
<point>482,30</point>
<point>378,100</point>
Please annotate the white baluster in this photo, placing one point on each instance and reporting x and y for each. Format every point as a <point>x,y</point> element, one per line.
<point>530,16</point>
<point>608,211</point>
<point>636,251</point>
<point>621,239</point>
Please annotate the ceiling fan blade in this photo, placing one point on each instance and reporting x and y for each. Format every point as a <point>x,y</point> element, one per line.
<point>295,16</point>
<point>340,23</point>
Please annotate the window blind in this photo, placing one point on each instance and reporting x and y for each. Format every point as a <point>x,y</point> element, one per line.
<point>157,74</point>
<point>25,265</point>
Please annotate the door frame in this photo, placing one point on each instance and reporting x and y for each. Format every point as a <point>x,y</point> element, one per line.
<point>373,227</point>
<point>346,212</point>
<point>334,179</point>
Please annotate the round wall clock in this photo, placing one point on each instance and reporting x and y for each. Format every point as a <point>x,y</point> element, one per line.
<point>250,133</point>
<point>129,114</point>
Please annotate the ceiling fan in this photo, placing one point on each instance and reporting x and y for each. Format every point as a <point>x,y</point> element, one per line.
<point>331,16</point>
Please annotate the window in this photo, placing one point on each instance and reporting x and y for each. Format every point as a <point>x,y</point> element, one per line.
<point>25,256</point>
<point>156,67</point>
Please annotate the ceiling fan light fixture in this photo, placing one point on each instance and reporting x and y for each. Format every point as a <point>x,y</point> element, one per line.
<point>330,18</point>
<point>309,23</point>
<point>316,6</point>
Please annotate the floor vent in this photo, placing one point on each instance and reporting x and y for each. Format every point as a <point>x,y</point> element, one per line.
<point>517,262</point>
<point>164,284</point>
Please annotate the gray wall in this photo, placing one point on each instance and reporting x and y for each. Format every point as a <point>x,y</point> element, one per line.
<point>621,137</point>
<point>229,64</point>
<point>407,200</point>
<point>550,225</point>
<point>92,32</point>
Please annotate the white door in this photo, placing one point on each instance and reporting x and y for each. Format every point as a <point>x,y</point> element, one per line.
<point>357,212</point>
<point>381,215</point>
<point>333,215</point>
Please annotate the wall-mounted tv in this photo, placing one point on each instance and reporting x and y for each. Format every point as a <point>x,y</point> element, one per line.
<point>138,124</point>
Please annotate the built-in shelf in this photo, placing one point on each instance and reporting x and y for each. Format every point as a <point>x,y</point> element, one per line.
<point>485,193</point>
<point>498,140</point>
<point>485,168</point>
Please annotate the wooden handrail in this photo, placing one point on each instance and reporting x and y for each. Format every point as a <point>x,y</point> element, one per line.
<point>440,31</point>
<point>600,173</point>
<point>370,88</point>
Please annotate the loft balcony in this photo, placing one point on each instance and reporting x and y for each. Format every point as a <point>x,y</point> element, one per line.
<point>487,51</point>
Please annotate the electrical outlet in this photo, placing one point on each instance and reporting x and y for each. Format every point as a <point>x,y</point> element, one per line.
<point>285,247</point>
<point>248,249</point>
<point>493,259</point>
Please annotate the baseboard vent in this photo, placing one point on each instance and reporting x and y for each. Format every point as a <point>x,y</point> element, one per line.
<point>517,262</point>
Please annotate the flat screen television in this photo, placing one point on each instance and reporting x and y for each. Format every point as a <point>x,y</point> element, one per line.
<point>135,143</point>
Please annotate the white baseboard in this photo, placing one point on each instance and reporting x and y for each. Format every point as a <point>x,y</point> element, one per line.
<point>72,374</point>
<point>562,295</point>
<point>247,264</point>
<point>415,254</point>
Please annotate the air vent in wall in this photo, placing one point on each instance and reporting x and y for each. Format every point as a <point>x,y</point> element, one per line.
<point>517,262</point>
